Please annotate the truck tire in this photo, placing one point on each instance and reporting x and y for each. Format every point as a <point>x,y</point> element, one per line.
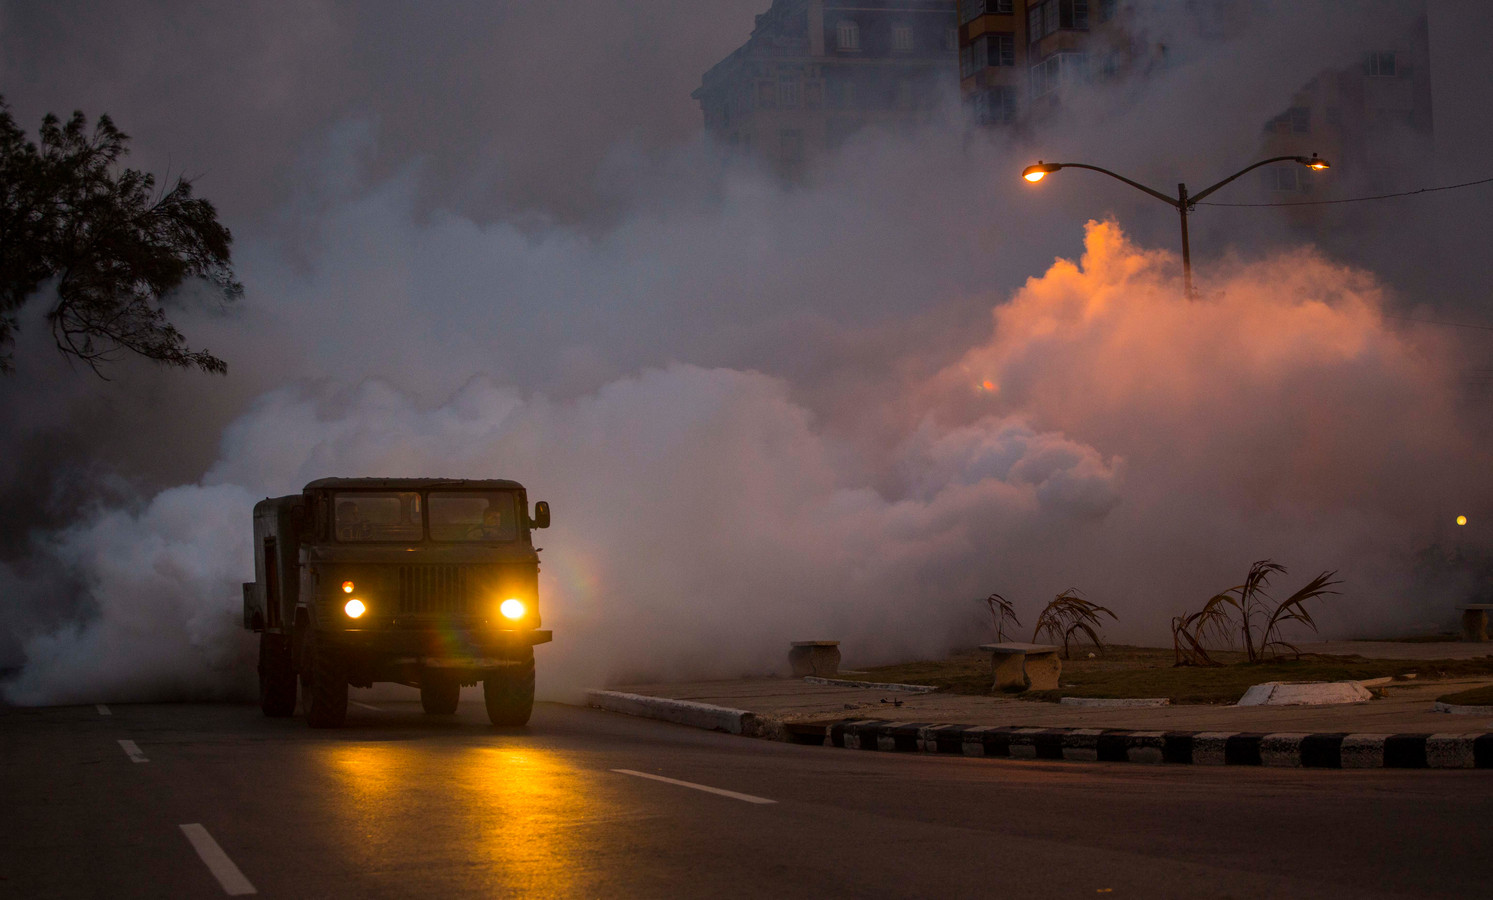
<point>277,676</point>
<point>439,695</point>
<point>326,700</point>
<point>509,694</point>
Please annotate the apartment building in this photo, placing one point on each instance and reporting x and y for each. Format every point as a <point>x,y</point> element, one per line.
<point>815,72</point>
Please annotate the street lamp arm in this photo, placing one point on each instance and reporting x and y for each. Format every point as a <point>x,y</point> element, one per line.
<point>1170,201</point>
<point>1264,162</point>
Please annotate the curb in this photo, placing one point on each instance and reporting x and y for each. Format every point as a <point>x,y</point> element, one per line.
<point>1459,710</point>
<point>688,712</point>
<point>1115,703</point>
<point>878,685</point>
<point>1219,748</point>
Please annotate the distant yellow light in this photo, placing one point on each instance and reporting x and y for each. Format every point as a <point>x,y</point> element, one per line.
<point>1319,165</point>
<point>512,608</point>
<point>347,587</point>
<point>354,608</point>
<point>1035,176</point>
<point>1461,520</point>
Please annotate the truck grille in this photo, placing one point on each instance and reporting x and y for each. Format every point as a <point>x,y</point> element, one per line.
<point>436,589</point>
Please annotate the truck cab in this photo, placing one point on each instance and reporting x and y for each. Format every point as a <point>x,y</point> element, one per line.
<point>427,582</point>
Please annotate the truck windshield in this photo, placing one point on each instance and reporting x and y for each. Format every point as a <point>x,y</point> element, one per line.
<point>368,516</point>
<point>473,516</point>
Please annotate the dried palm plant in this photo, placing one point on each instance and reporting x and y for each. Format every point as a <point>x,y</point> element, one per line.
<point>1069,614</point>
<point>1293,609</point>
<point>1193,634</point>
<point>1209,626</point>
<point>1001,613</point>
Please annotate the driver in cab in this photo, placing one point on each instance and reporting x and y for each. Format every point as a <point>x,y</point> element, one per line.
<point>492,527</point>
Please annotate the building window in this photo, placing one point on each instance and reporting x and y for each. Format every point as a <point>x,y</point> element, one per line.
<point>767,97</point>
<point>1054,15</point>
<point>1380,65</point>
<point>1296,120</point>
<point>848,35</point>
<point>1284,178</point>
<point>1334,115</point>
<point>969,10</point>
<point>788,92</point>
<point>791,142</point>
<point>1001,50</point>
<point>996,106</point>
<point>902,38</point>
<point>1107,9</point>
<point>987,50</point>
<point>951,39</point>
<point>1057,70</point>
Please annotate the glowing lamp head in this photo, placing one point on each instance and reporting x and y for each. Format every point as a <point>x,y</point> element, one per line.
<point>1461,520</point>
<point>347,587</point>
<point>512,608</point>
<point>1040,171</point>
<point>354,608</point>
<point>1314,162</point>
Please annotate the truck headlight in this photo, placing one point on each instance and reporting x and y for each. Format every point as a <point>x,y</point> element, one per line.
<point>354,608</point>
<point>512,608</point>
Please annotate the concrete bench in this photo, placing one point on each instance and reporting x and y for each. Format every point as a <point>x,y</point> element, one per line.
<point>820,658</point>
<point>1475,621</point>
<point>1020,667</point>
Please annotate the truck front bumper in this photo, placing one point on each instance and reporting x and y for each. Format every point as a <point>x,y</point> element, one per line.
<point>453,642</point>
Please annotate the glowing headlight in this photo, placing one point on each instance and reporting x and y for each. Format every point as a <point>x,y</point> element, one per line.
<point>354,608</point>
<point>347,587</point>
<point>512,609</point>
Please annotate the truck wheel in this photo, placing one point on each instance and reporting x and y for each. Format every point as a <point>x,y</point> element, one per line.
<point>277,677</point>
<point>509,694</point>
<point>439,694</point>
<point>326,705</point>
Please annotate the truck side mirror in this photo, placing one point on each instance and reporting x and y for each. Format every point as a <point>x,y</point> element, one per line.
<point>541,515</point>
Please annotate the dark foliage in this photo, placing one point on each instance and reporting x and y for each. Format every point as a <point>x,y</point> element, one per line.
<point>1251,602</point>
<point>114,245</point>
<point>1001,613</point>
<point>1068,615</point>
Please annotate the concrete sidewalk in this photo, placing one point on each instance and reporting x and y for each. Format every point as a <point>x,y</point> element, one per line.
<point>1406,707</point>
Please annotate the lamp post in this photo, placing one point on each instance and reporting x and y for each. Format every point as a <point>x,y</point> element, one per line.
<point>1183,200</point>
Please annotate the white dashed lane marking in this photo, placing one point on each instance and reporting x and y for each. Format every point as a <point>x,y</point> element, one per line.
<point>132,750</point>
<point>233,881</point>
<point>102,709</point>
<point>699,787</point>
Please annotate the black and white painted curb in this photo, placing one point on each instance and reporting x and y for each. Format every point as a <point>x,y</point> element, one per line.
<point>1219,748</point>
<point>1216,748</point>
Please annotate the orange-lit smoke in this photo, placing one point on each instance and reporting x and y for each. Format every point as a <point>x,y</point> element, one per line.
<point>1109,435</point>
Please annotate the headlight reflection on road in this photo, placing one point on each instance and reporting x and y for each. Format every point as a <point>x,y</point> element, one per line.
<point>513,818</point>
<point>523,806</point>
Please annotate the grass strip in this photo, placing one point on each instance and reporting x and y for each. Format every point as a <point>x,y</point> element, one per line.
<point>1121,671</point>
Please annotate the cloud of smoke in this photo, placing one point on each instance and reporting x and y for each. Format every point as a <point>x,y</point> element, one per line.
<point>761,411</point>
<point>1110,435</point>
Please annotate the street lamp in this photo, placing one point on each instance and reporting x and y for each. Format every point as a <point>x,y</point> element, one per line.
<point>1183,201</point>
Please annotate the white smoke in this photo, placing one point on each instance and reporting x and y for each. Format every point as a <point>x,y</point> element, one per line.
<point>1111,436</point>
<point>763,413</point>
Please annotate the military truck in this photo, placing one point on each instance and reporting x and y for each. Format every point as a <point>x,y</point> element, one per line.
<point>427,582</point>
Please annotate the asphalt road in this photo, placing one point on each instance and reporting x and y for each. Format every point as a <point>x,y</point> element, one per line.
<point>401,805</point>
